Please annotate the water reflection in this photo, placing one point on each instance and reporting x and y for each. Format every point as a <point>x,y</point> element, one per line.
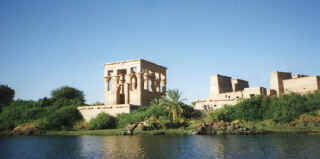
<point>161,147</point>
<point>122,147</point>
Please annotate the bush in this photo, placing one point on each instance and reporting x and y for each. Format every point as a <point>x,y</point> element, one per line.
<point>226,113</point>
<point>282,109</point>
<point>19,112</point>
<point>6,95</point>
<point>102,121</point>
<point>62,118</point>
<point>306,120</point>
<point>59,112</point>
<point>167,124</point>
<point>65,102</point>
<point>249,109</point>
<point>68,93</point>
<point>269,123</point>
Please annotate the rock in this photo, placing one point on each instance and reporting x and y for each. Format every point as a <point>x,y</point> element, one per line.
<point>234,128</point>
<point>159,133</point>
<point>130,128</point>
<point>140,127</point>
<point>195,133</point>
<point>26,130</point>
<point>124,133</point>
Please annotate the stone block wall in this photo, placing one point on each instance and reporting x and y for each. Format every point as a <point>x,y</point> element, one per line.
<point>276,81</point>
<point>220,84</point>
<point>239,85</point>
<point>301,85</point>
<point>90,112</point>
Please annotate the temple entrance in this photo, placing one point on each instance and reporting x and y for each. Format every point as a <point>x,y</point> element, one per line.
<point>122,99</point>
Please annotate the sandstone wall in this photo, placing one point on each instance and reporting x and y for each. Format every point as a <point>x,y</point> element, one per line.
<point>209,104</point>
<point>239,85</point>
<point>255,91</point>
<point>220,84</point>
<point>276,81</point>
<point>301,85</point>
<point>90,112</point>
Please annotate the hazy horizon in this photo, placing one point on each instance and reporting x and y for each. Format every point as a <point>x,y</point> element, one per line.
<point>48,44</point>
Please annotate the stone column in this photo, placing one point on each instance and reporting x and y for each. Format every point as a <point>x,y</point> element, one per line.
<point>145,81</point>
<point>158,80</point>
<point>126,89</point>
<point>139,82</point>
<point>164,84</point>
<point>115,87</point>
<point>140,86</point>
<point>106,82</point>
<point>153,82</point>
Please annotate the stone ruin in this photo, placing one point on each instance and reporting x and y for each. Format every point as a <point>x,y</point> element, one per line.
<point>128,84</point>
<point>133,83</point>
<point>227,91</point>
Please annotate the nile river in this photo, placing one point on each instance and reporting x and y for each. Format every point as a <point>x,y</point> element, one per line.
<point>161,147</point>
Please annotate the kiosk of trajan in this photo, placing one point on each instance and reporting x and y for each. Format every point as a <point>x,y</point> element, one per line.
<point>128,84</point>
<point>133,83</point>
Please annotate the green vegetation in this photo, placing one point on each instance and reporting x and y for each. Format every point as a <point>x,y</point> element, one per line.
<point>6,95</point>
<point>166,112</point>
<point>102,121</point>
<point>283,109</point>
<point>58,114</point>
<point>116,132</point>
<point>173,104</point>
<point>68,93</point>
<point>55,113</point>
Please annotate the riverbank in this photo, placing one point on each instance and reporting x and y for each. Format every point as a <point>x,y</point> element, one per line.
<point>118,132</point>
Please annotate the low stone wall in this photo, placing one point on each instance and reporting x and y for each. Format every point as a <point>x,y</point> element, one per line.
<point>90,112</point>
<point>211,104</point>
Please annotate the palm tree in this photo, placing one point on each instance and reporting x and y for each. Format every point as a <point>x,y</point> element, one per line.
<point>173,103</point>
<point>155,102</point>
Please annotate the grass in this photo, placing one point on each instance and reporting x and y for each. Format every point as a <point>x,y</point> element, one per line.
<point>116,132</point>
<point>279,129</point>
<point>283,128</point>
<point>180,131</point>
<point>105,132</point>
<point>4,133</point>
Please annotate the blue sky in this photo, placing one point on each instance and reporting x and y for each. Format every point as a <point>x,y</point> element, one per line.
<point>48,44</point>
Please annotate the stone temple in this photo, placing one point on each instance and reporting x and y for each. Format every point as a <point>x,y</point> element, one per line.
<point>227,91</point>
<point>128,84</point>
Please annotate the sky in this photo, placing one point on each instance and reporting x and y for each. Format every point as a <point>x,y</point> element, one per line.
<point>47,44</point>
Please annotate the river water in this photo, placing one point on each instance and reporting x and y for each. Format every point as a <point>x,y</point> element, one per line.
<point>161,147</point>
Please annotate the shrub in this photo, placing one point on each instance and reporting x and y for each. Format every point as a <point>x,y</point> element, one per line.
<point>68,93</point>
<point>249,109</point>
<point>141,114</point>
<point>59,112</point>
<point>63,118</point>
<point>306,120</point>
<point>153,123</point>
<point>6,95</point>
<point>168,124</point>
<point>269,123</point>
<point>226,113</point>
<point>102,121</point>
<point>45,102</point>
<point>134,117</point>
<point>65,102</point>
<point>287,107</point>
<point>80,125</point>
<point>19,112</point>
